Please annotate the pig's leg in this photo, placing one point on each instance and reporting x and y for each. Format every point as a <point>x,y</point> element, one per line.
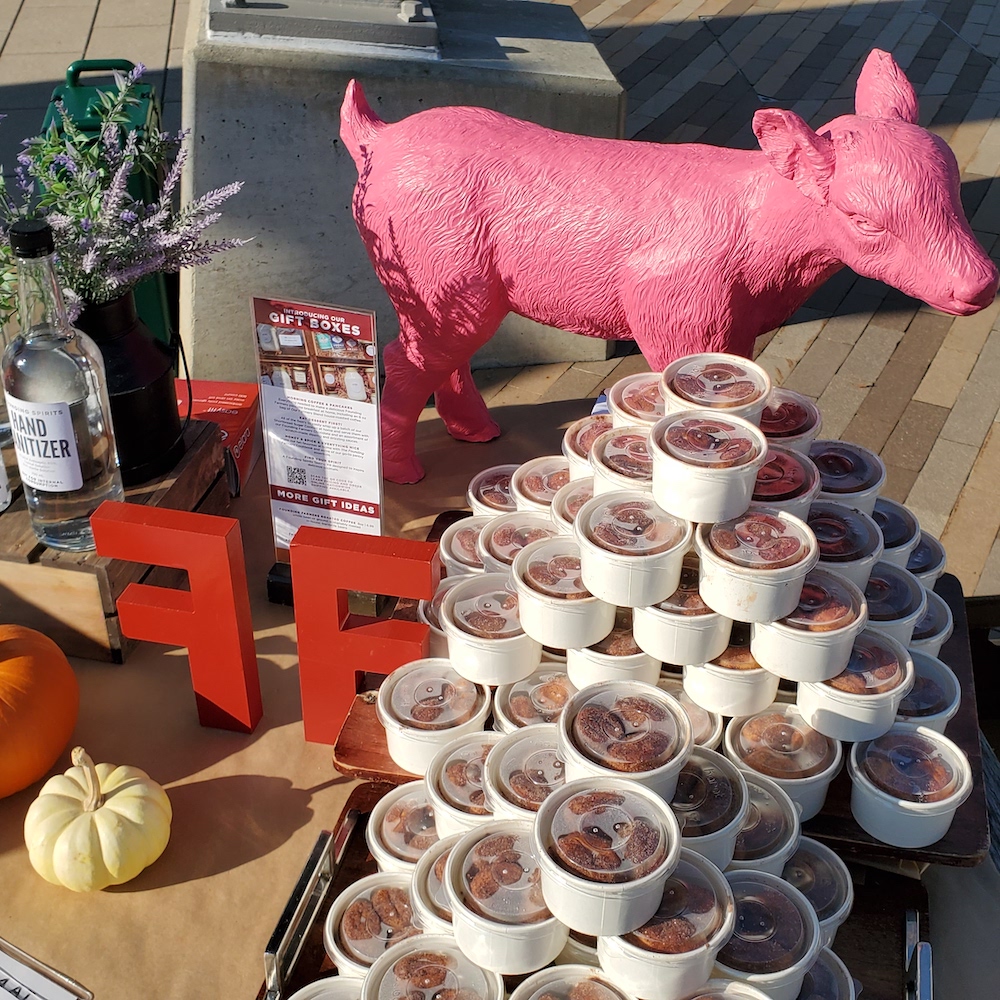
<point>462,408</point>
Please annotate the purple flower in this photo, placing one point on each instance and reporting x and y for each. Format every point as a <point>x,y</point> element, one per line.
<point>128,216</point>
<point>66,161</point>
<point>86,225</point>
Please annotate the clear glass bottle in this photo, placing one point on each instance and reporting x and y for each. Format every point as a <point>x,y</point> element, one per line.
<point>57,400</point>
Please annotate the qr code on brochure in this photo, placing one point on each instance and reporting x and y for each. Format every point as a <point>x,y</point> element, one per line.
<point>295,476</point>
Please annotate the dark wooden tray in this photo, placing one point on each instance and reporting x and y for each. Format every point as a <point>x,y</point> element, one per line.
<point>873,942</point>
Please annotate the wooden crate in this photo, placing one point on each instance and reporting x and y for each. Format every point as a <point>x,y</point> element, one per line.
<point>70,596</point>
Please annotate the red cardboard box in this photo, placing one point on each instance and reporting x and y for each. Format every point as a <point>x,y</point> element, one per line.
<point>235,407</point>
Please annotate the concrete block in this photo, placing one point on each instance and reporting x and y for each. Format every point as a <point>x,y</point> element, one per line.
<point>133,13</point>
<point>147,45</point>
<point>915,435</point>
<point>50,29</point>
<point>819,364</point>
<point>939,483</point>
<point>946,376</point>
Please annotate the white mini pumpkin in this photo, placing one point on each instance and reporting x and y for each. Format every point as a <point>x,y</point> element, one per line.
<point>96,825</point>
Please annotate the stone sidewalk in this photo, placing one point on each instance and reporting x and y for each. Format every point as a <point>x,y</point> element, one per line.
<point>919,387</point>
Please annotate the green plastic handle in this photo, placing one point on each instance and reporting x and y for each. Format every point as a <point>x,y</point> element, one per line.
<point>74,69</point>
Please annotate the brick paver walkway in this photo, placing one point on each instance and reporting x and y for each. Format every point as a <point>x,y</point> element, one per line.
<point>921,388</point>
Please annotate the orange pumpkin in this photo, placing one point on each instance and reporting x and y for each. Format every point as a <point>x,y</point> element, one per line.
<point>39,701</point>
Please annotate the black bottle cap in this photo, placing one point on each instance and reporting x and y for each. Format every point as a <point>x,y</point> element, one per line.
<point>31,238</point>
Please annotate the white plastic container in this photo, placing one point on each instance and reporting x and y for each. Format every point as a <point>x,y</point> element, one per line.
<point>828,979</point>
<point>458,546</point>
<point>753,566</point>
<point>581,949</point>
<point>536,482</point>
<point>861,702</point>
<point>422,969</point>
<point>578,440</point>
<point>623,727</point>
<point>423,706</point>
<point>673,953</point>
<point>771,833</point>
<point>620,460</point>
<point>935,696</point>
<point>727,989</point>
<point>429,613</point>
<point>711,804</point>
<point>776,939</point>
<point>814,642</point>
<point>401,828</point>
<point>455,784</point>
<point>788,480</point>
<point>900,530</point>
<point>594,888</point>
<point>928,560</point>
<point>683,628</point>
<point>522,770</point>
<point>330,988</point>
<point>489,491</point>
<point>553,604</point>
<point>823,878</point>
<point>734,683</point>
<point>934,628</point>
<point>486,643</point>
<point>428,895</point>
<point>617,657</point>
<point>896,601</point>
<point>850,474</point>
<point>578,980</point>
<point>907,785</point>
<point>347,936</point>
<point>504,536</point>
<point>706,727</point>
<point>724,382</point>
<point>498,913</point>
<point>631,551</point>
<point>850,542</point>
<point>782,746</point>
<point>705,464</point>
<point>539,698</point>
<point>636,399</point>
<point>791,420</point>
<point>567,502</point>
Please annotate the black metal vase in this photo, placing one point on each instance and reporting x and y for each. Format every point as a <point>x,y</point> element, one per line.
<point>141,386</point>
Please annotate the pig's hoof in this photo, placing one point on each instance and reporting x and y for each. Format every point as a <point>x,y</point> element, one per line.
<point>402,470</point>
<point>486,431</point>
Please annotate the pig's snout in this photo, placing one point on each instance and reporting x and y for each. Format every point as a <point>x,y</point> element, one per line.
<point>975,291</point>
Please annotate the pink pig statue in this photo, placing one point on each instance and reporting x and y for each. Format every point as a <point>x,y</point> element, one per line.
<point>468,215</point>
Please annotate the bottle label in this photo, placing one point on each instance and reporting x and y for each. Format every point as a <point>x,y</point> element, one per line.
<point>290,339</point>
<point>45,444</point>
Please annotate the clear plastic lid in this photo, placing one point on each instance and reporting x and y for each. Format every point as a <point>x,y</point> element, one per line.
<point>686,599</point>
<point>788,414</point>
<point>639,396</point>
<point>486,610</point>
<point>910,766</point>
<point>689,914</point>
<point>934,621</point>
<point>608,835</point>
<point>780,744</point>
<point>633,525</point>
<point>431,609</point>
<point>842,533</point>
<point>784,476</point>
<point>874,666</point>
<point>627,732</point>
<point>531,769</point>
<point>506,536</point>
<point>844,467</point>
<point>541,697</point>
<point>824,981</point>
<point>827,602</point>
<point>820,876</point>
<point>434,696</point>
<point>737,655</point>
<point>501,879</point>
<point>898,525</point>
<point>461,780</point>
<point>769,823</point>
<point>708,441</point>
<point>931,692</point>
<point>626,452</point>
<point>619,641</point>
<point>892,593</point>
<point>703,723</point>
<point>424,974</point>
<point>572,497</point>
<point>377,918</point>
<point>408,826</point>
<point>707,799</point>
<point>554,569</point>
<point>491,487</point>
<point>721,382</point>
<point>436,894</point>
<point>574,985</point>
<point>771,933</point>
<point>459,541</point>
<point>581,435</point>
<point>760,539</point>
<point>928,555</point>
<point>541,478</point>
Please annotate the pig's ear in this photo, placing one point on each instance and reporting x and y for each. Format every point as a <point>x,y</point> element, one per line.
<point>883,90</point>
<point>796,151</point>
